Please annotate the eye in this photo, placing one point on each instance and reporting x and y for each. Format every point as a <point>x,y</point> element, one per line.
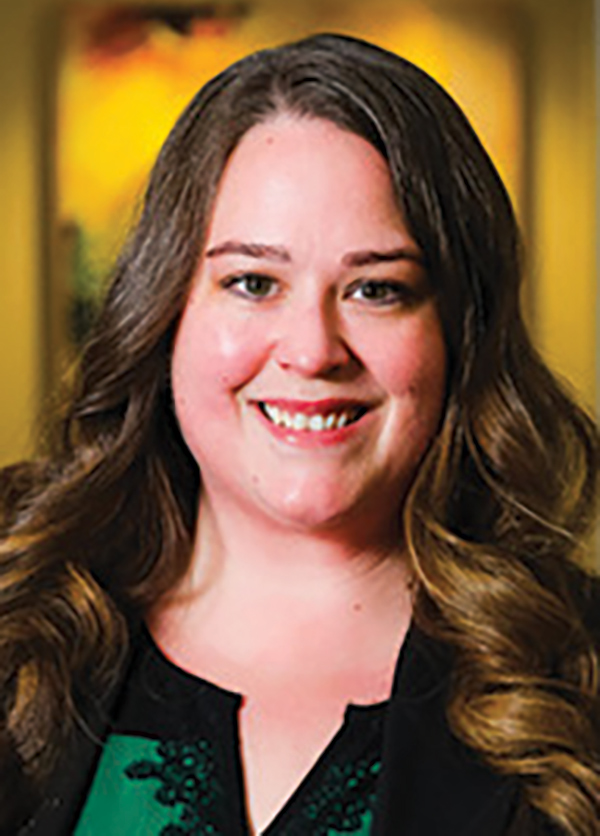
<point>250,285</point>
<point>381,293</point>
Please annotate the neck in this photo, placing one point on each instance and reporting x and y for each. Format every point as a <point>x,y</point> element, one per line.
<point>338,598</point>
<point>234,548</point>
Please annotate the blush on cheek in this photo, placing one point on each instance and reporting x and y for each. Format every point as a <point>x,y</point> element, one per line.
<point>215,354</point>
<point>217,351</point>
<point>419,367</point>
<point>232,359</point>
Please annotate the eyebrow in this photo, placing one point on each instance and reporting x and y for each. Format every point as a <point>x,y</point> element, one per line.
<point>363,258</point>
<point>252,250</point>
<point>360,258</point>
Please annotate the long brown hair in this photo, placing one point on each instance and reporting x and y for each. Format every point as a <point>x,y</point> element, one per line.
<point>99,531</point>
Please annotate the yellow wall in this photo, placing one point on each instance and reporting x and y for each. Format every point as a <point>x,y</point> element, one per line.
<point>562,299</point>
<point>20,320</point>
<point>564,191</point>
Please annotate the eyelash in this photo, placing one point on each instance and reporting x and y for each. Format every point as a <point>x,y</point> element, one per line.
<point>397,292</point>
<point>234,283</point>
<point>400,292</point>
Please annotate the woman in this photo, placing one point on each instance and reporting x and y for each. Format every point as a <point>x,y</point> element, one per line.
<point>303,562</point>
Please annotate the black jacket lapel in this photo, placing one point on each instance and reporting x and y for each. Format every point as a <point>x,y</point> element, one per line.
<point>431,784</point>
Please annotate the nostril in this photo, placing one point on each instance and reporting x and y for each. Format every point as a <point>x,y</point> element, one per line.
<point>312,362</point>
<point>312,353</point>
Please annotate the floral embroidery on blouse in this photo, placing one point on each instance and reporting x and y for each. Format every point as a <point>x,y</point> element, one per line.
<point>343,802</point>
<point>187,776</point>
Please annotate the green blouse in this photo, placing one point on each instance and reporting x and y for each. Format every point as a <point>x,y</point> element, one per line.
<point>172,764</point>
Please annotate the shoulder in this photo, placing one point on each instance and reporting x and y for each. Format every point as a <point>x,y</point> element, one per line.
<point>53,811</point>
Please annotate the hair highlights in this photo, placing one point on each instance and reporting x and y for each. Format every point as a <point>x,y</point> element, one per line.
<point>495,514</point>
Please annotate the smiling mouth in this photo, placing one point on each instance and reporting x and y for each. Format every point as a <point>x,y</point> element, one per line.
<point>313,421</point>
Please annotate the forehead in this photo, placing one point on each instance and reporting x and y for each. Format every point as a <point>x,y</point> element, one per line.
<point>293,171</point>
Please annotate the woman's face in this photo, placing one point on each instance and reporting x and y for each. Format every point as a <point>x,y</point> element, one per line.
<point>309,367</point>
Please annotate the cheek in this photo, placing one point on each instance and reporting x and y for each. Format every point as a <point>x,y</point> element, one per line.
<point>410,361</point>
<point>213,357</point>
<point>214,354</point>
<point>413,372</point>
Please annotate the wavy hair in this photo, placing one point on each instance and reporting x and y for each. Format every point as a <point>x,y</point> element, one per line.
<point>97,532</point>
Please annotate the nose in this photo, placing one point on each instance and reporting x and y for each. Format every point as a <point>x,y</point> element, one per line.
<point>311,342</point>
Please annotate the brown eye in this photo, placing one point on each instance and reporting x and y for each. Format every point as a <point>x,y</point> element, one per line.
<point>380,293</point>
<point>375,291</point>
<point>251,285</point>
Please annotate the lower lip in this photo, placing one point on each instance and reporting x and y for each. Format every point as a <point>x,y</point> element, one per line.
<point>310,439</point>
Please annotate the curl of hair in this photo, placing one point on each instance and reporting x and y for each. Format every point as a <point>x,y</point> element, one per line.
<point>99,532</point>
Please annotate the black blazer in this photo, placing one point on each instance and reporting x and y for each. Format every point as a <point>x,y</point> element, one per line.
<point>431,785</point>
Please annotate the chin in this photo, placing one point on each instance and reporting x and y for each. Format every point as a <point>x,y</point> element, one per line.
<point>313,510</point>
<point>305,517</point>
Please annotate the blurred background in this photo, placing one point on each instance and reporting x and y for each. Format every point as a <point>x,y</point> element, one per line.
<point>89,90</point>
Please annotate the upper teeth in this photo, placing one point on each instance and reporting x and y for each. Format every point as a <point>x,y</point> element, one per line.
<point>301,421</point>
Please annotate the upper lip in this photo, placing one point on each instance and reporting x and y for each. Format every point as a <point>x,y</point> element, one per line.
<point>322,407</point>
